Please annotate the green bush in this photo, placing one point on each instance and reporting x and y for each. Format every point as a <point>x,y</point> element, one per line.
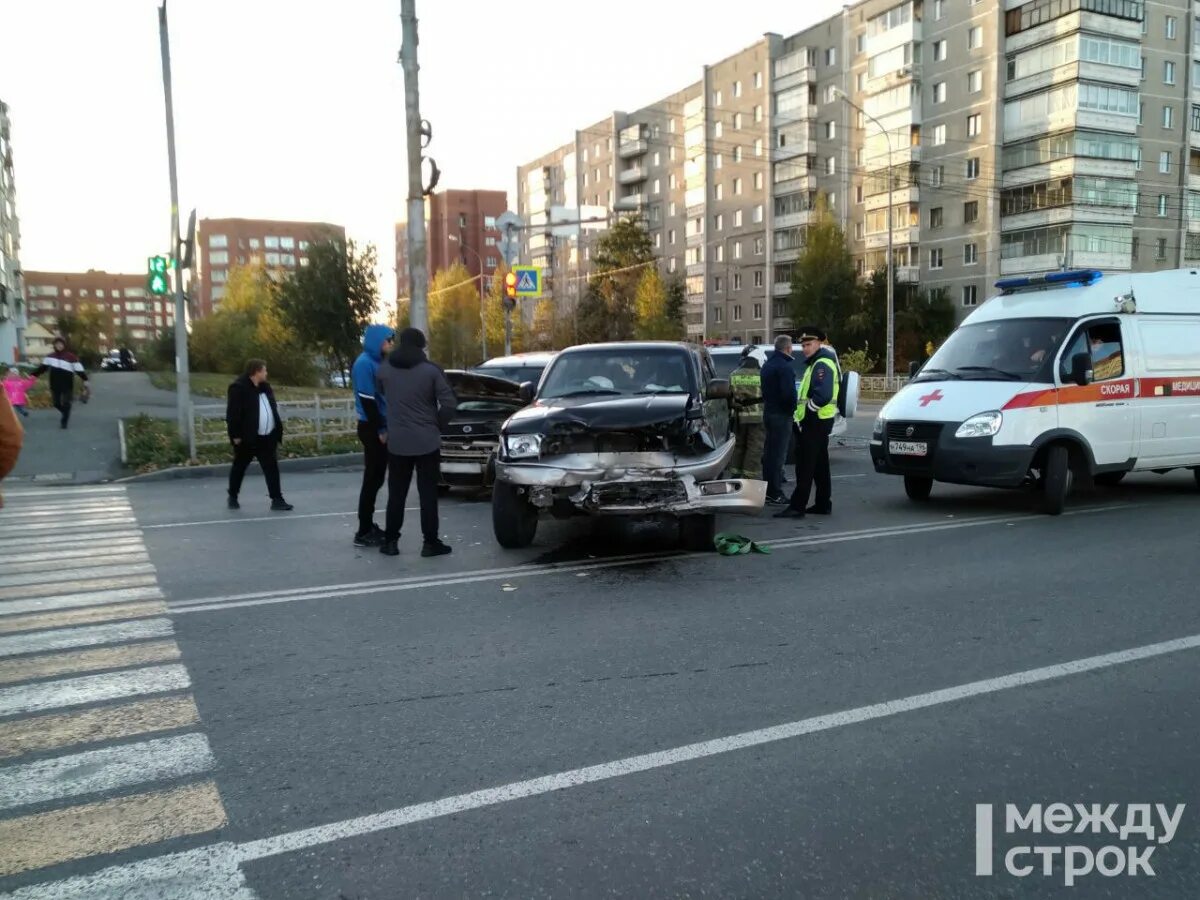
<point>152,443</point>
<point>859,361</point>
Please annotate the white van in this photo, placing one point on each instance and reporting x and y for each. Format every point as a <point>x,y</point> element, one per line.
<point>1062,378</point>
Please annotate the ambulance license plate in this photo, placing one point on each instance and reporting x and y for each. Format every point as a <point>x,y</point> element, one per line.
<point>908,448</point>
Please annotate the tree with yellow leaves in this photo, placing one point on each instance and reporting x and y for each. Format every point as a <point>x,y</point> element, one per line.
<point>454,318</point>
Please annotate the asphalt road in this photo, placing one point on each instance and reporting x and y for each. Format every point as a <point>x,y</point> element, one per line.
<point>600,715</point>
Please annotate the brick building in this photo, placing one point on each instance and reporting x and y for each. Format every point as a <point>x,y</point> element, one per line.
<point>460,227</point>
<point>223,244</point>
<point>124,297</point>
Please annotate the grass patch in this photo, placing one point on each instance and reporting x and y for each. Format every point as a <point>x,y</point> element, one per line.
<point>215,385</point>
<point>153,444</point>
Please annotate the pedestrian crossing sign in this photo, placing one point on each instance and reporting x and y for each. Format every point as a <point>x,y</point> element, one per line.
<point>529,281</point>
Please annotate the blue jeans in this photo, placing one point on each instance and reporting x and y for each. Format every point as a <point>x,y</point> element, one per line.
<point>778,435</point>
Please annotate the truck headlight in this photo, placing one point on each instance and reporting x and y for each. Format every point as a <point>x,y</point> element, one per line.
<point>523,446</point>
<point>877,431</point>
<point>983,425</point>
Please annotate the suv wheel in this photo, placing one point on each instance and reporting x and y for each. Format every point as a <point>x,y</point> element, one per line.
<point>514,519</point>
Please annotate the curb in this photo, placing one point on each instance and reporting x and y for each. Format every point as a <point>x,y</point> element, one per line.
<point>305,464</point>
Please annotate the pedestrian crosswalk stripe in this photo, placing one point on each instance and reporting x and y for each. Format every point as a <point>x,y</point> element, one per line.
<point>80,574</point>
<point>62,493</point>
<point>49,838</point>
<point>66,513</point>
<point>56,565</point>
<point>71,601</point>
<point>12,624</point>
<point>60,731</point>
<point>24,543</point>
<point>70,525</point>
<point>50,665</point>
<point>91,636</point>
<point>43,553</point>
<point>44,695</point>
<point>51,588</point>
<point>107,769</point>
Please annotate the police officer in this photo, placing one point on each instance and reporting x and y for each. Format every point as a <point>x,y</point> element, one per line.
<point>815,413</point>
<point>746,382</point>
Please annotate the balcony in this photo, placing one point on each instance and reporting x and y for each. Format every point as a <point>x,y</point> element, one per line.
<point>1050,262</point>
<point>781,288</point>
<point>631,202</point>
<point>632,176</point>
<point>792,185</point>
<point>786,256</point>
<point>902,195</point>
<point>900,236</point>
<point>806,147</point>
<point>694,269</point>
<point>630,149</point>
<point>793,220</point>
<point>695,330</point>
<point>1193,182</point>
<point>908,274</point>
<point>796,114</point>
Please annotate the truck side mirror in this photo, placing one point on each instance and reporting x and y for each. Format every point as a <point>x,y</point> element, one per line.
<point>719,389</point>
<point>913,368</point>
<point>1081,369</point>
<point>527,391</point>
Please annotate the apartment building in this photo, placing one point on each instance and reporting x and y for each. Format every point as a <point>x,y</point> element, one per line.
<point>12,303</point>
<point>1003,138</point>
<point>123,297</point>
<point>223,244</point>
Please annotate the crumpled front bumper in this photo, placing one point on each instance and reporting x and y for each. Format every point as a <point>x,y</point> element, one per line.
<point>637,483</point>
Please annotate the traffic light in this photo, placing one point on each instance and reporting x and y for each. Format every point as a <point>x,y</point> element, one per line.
<point>156,277</point>
<point>510,290</point>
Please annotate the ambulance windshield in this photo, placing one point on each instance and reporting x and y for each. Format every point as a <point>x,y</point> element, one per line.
<point>1003,350</point>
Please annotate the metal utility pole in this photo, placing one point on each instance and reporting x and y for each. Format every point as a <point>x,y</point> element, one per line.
<point>418,261</point>
<point>183,387</point>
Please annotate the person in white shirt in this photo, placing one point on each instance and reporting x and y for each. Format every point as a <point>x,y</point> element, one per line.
<point>256,431</point>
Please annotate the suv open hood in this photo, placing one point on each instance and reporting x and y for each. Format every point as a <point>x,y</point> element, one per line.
<point>473,386</point>
<point>653,413</point>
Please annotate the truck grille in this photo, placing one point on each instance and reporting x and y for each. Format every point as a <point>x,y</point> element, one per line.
<point>636,494</point>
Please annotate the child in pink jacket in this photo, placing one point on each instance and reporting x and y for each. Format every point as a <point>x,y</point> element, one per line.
<point>17,387</point>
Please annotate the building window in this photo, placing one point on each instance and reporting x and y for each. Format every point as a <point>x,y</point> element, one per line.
<point>860,82</point>
<point>220,258</point>
<point>831,56</point>
<point>672,183</point>
<point>939,135</point>
<point>970,212</point>
<point>935,258</point>
<point>975,38</point>
<point>939,92</point>
<point>970,295</point>
<point>1160,249</point>
<point>716,98</point>
<point>758,113</point>
<point>719,192</point>
<point>937,175</point>
<point>716,284</point>
<point>737,283</point>
<point>1164,162</point>
<point>758,147</point>
<point>831,165</point>
<point>1162,206</point>
<point>758,215</point>
<point>936,217</point>
<point>719,222</point>
<point>938,9</point>
<point>718,130</point>
<point>737,154</point>
<point>1137,158</point>
<point>759,246</point>
<point>1134,251</point>
<point>974,125</point>
<point>758,307</point>
<point>758,181</point>
<point>858,193</point>
<point>737,220</point>
<point>975,82</point>
<point>830,130</point>
<point>218,241</point>
<point>656,186</point>
<point>287,243</point>
<point>717,314</point>
<point>1168,116</point>
<point>1171,26</point>
<point>218,293</point>
<point>757,80</point>
<point>218,276</point>
<point>737,121</point>
<point>737,249</point>
<point>272,242</point>
<point>758,280</point>
<point>720,253</point>
<point>737,186</point>
<point>671,237</point>
<point>272,259</point>
<point>972,168</point>
<point>970,254</point>
<point>939,51</point>
<point>1168,72</point>
<point>737,89</point>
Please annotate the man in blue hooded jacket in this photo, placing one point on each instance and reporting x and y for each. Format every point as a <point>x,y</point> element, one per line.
<point>372,429</point>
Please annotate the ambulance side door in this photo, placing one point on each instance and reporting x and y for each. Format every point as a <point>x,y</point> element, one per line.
<point>1170,391</point>
<point>1103,412</point>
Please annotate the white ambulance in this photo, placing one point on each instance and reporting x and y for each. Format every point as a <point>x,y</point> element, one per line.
<point>1061,379</point>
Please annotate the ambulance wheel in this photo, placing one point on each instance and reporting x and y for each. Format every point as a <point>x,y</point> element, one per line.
<point>917,488</point>
<point>1057,479</point>
<point>1196,472</point>
<point>1110,479</point>
<point>697,532</point>
<point>514,518</point>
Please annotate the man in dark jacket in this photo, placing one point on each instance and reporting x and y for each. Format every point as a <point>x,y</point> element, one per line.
<point>63,366</point>
<point>420,403</point>
<point>815,416</point>
<point>255,430</point>
<point>779,406</point>
<point>372,429</point>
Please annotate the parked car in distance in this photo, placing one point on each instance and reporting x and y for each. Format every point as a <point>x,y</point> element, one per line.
<point>519,368</point>
<point>635,429</point>
<point>470,440</point>
<point>119,361</point>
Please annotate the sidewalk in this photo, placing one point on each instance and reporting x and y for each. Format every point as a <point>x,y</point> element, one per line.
<point>89,450</point>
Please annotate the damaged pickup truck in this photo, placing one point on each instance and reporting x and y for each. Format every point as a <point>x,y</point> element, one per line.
<point>624,429</point>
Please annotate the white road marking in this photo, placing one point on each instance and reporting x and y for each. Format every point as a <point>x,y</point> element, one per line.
<point>67,526</point>
<point>41,540</point>
<point>66,511</point>
<point>97,771</point>
<point>52,564</point>
<point>419,582</point>
<point>307,838</point>
<point>62,493</point>
<point>85,636</point>
<point>209,873</point>
<point>87,598</point>
<point>44,695</point>
<point>115,570</point>
<point>47,589</point>
<point>234,519</point>
<point>39,553</point>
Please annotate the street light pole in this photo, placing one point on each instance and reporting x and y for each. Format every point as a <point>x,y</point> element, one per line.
<point>890,371</point>
<point>418,265</point>
<point>482,302</point>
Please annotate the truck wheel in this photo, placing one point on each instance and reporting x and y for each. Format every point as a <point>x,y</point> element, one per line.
<point>697,532</point>
<point>918,488</point>
<point>514,519</point>
<point>1057,480</point>
<point>1110,479</point>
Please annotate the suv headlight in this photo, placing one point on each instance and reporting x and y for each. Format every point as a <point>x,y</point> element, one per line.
<point>983,425</point>
<point>523,446</point>
<point>877,431</point>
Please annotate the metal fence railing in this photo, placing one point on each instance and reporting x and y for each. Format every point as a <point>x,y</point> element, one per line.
<point>319,418</point>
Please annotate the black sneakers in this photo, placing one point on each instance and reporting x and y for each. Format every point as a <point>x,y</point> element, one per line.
<point>435,548</point>
<point>281,505</point>
<point>372,538</point>
<point>389,548</point>
<point>233,502</point>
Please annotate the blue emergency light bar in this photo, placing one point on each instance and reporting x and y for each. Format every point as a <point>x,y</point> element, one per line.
<point>1081,277</point>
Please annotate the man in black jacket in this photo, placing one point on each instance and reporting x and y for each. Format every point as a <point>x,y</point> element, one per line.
<point>255,430</point>
<point>778,384</point>
<point>63,366</point>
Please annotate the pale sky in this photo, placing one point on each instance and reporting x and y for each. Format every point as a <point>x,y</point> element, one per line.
<point>295,110</point>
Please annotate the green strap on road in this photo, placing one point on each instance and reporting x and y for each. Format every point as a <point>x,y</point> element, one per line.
<point>735,544</point>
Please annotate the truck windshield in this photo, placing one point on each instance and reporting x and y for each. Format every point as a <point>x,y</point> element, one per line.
<point>600,372</point>
<point>1003,350</point>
